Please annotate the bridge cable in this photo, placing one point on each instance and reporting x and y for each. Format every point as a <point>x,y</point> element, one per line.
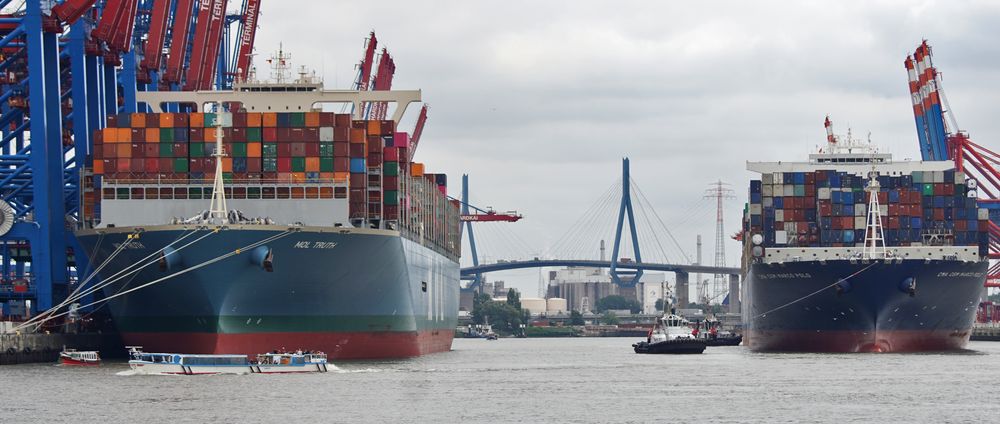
<point>573,234</point>
<point>670,234</point>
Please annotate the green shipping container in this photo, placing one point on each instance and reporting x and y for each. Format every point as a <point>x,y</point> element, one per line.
<point>298,164</point>
<point>297,120</point>
<point>167,150</point>
<point>166,135</point>
<point>196,150</point>
<point>254,135</point>
<point>180,165</point>
<point>227,177</point>
<point>390,169</point>
<point>326,150</point>
<point>239,150</point>
<point>270,165</point>
<point>325,164</point>
<point>209,120</point>
<point>390,197</point>
<point>270,150</point>
<point>928,189</point>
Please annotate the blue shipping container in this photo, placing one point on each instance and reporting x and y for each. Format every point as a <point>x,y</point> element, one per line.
<point>357,165</point>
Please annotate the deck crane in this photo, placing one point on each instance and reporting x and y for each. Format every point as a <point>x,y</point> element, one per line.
<point>383,81</point>
<point>941,141</point>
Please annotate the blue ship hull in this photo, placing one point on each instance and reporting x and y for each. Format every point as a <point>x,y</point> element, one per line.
<point>808,306</point>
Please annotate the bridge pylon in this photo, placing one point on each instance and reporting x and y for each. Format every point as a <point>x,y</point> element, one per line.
<point>477,280</point>
<point>625,209</point>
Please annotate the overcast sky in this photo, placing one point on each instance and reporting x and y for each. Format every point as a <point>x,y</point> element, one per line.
<point>539,101</point>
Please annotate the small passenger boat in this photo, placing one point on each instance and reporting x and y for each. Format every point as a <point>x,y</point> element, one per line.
<point>185,364</point>
<point>79,357</point>
<point>276,363</point>
<point>672,334</point>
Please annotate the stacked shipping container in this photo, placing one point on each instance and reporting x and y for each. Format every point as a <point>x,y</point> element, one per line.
<point>829,208</point>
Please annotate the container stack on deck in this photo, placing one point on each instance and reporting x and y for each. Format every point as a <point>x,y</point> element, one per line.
<point>829,209</point>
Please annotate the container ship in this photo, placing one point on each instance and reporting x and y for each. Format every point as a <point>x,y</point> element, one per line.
<point>852,251</point>
<point>328,238</point>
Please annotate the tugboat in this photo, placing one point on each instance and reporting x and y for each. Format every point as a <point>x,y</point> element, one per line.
<point>74,357</point>
<point>713,337</point>
<point>672,334</point>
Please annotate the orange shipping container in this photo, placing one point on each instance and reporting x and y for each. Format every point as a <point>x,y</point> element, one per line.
<point>269,119</point>
<point>357,135</point>
<point>374,127</point>
<point>253,120</point>
<point>166,120</point>
<point>227,164</point>
<point>124,150</point>
<point>298,177</point>
<point>326,176</point>
<point>341,177</point>
<point>153,136</point>
<point>138,120</point>
<point>99,167</point>
<point>110,135</point>
<point>124,135</point>
<point>197,120</point>
<point>312,164</point>
<point>312,119</point>
<point>253,150</point>
<point>417,169</point>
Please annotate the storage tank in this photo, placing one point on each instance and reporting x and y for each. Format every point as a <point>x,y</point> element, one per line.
<point>555,305</point>
<point>535,305</point>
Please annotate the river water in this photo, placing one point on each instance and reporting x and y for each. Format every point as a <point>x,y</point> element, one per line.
<point>581,380</point>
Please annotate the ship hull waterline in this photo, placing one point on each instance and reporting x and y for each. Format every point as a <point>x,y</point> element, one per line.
<point>354,294</point>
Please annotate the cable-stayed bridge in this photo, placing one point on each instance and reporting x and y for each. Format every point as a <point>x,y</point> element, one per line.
<point>641,242</point>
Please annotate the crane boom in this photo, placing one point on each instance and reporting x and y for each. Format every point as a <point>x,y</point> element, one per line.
<point>153,55</point>
<point>212,45</point>
<point>383,81</point>
<point>178,42</point>
<point>248,32</point>
<point>70,10</point>
<point>417,131</point>
<point>198,45</point>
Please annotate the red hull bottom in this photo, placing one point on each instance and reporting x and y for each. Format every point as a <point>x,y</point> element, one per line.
<point>857,341</point>
<point>73,362</point>
<point>340,345</point>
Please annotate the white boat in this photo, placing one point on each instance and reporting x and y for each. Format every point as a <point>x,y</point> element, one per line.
<point>672,334</point>
<point>275,363</point>
<point>186,364</point>
<point>79,357</point>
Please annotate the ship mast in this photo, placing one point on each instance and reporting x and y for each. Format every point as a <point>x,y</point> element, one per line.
<point>218,207</point>
<point>874,239</point>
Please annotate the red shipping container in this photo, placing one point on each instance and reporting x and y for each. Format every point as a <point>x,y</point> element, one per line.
<point>949,189</point>
<point>284,135</point>
<point>390,183</point>
<point>341,134</point>
<point>810,180</point>
<point>312,149</point>
<point>404,155</point>
<point>358,180</point>
<point>819,176</point>
<point>357,150</point>
<point>809,202</point>
<point>892,223</point>
<point>138,150</point>
<point>165,164</point>
<point>180,150</point>
<point>239,120</point>
<point>893,209</point>
<point>310,134</point>
<point>284,150</point>
<point>196,134</point>
<point>151,165</point>
<point>390,154</point>
<point>960,225</point>
<point>109,150</point>
<point>284,164</point>
<point>938,214</point>
<point>123,165</point>
<point>388,126</point>
<point>151,150</point>
<point>327,119</point>
<point>374,159</point>
<point>139,166</point>
<point>298,150</point>
<point>835,223</point>
<point>195,165</point>
<point>825,210</point>
<point>375,144</point>
<point>883,198</point>
<point>139,134</point>
<point>341,149</point>
<point>269,135</point>
<point>254,165</point>
<point>810,189</point>
<point>297,135</point>
<point>847,222</point>
<point>916,210</point>
<point>181,120</point>
<point>341,164</point>
<point>915,197</point>
<point>938,189</point>
<point>342,120</point>
<point>799,215</point>
<point>239,135</point>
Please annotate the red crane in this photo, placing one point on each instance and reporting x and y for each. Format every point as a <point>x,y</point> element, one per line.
<point>489,215</point>
<point>178,42</point>
<point>383,81</point>
<point>70,10</point>
<point>365,67</point>
<point>417,130</point>
<point>247,35</point>
<point>153,52</point>
<point>205,45</point>
<point>116,25</point>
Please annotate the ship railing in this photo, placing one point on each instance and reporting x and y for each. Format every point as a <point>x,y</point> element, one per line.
<point>127,189</point>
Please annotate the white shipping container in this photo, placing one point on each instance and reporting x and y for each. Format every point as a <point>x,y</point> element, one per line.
<point>766,179</point>
<point>938,177</point>
<point>983,214</point>
<point>767,190</point>
<point>859,222</point>
<point>755,209</point>
<point>780,237</point>
<point>777,178</point>
<point>860,209</point>
<point>768,202</point>
<point>779,215</point>
<point>823,193</point>
<point>326,134</point>
<point>883,210</point>
<point>789,190</point>
<point>959,177</point>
